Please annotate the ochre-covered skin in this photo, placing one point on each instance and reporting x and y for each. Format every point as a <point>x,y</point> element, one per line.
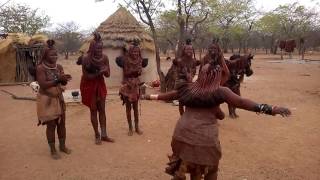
<point>132,64</point>
<point>95,66</point>
<point>50,102</point>
<point>186,67</point>
<point>195,142</point>
<point>215,56</point>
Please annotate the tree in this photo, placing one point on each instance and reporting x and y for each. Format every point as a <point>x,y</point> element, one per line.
<point>69,37</point>
<point>202,37</point>
<point>296,21</point>
<point>270,27</point>
<point>190,14</point>
<point>22,19</point>
<point>227,13</point>
<point>167,30</point>
<point>238,34</point>
<point>250,17</point>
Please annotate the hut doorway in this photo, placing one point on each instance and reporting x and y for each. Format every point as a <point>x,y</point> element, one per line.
<point>27,58</point>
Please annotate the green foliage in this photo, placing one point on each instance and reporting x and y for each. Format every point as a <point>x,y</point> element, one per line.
<point>269,24</point>
<point>68,36</point>
<point>235,22</point>
<point>295,19</point>
<point>167,28</point>
<point>22,19</point>
<point>146,9</point>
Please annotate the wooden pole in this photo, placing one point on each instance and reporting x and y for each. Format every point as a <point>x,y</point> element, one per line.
<point>14,84</point>
<point>19,98</point>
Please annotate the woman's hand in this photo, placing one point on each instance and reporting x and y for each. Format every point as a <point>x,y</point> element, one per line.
<point>65,78</point>
<point>145,97</point>
<point>284,112</point>
<point>103,70</point>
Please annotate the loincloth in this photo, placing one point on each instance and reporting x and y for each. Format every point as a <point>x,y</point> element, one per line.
<point>50,105</point>
<point>129,91</point>
<point>178,168</point>
<point>201,155</point>
<point>92,91</point>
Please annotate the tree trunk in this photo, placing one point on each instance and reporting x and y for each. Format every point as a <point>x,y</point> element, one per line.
<point>240,46</point>
<point>66,55</point>
<point>155,38</point>
<point>225,43</point>
<point>303,49</point>
<point>158,60</point>
<point>245,46</point>
<point>276,49</point>
<point>181,23</point>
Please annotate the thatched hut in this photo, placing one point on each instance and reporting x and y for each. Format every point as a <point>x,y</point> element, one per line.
<point>18,53</point>
<point>118,31</point>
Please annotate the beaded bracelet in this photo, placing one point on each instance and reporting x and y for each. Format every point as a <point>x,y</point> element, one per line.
<point>264,108</point>
<point>154,96</point>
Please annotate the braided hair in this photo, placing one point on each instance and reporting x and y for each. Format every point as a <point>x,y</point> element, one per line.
<point>96,39</point>
<point>50,46</point>
<point>202,92</point>
<point>188,43</point>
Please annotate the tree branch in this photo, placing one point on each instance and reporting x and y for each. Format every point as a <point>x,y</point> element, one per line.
<point>140,14</point>
<point>2,5</point>
<point>199,22</point>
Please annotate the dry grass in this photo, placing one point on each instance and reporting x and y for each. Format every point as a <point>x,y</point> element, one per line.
<point>120,29</point>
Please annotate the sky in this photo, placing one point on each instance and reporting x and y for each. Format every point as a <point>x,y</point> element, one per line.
<point>88,14</point>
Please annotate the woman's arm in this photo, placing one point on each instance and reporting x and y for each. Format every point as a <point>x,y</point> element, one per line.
<point>144,62</point>
<point>88,75</point>
<point>106,73</point>
<point>172,95</point>
<point>198,62</point>
<point>41,77</point>
<point>64,78</point>
<point>85,73</point>
<point>242,103</point>
<point>45,84</point>
<point>225,71</point>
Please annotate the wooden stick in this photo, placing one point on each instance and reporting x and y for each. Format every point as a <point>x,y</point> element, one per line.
<point>19,98</point>
<point>14,84</point>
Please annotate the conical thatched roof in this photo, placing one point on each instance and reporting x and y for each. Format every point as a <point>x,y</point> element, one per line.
<point>122,28</point>
<point>8,52</point>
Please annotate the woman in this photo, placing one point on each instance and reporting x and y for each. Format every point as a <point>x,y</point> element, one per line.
<point>50,102</point>
<point>95,66</point>
<point>132,64</point>
<point>186,67</point>
<point>195,143</point>
<point>215,55</point>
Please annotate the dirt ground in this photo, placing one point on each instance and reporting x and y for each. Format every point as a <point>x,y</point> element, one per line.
<point>254,147</point>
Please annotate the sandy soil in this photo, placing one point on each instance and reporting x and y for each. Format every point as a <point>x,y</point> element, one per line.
<point>255,147</point>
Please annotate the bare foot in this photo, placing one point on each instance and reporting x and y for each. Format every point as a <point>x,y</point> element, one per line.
<point>98,141</point>
<point>130,133</point>
<point>232,116</point>
<point>107,139</point>
<point>65,150</point>
<point>55,155</point>
<point>139,132</point>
